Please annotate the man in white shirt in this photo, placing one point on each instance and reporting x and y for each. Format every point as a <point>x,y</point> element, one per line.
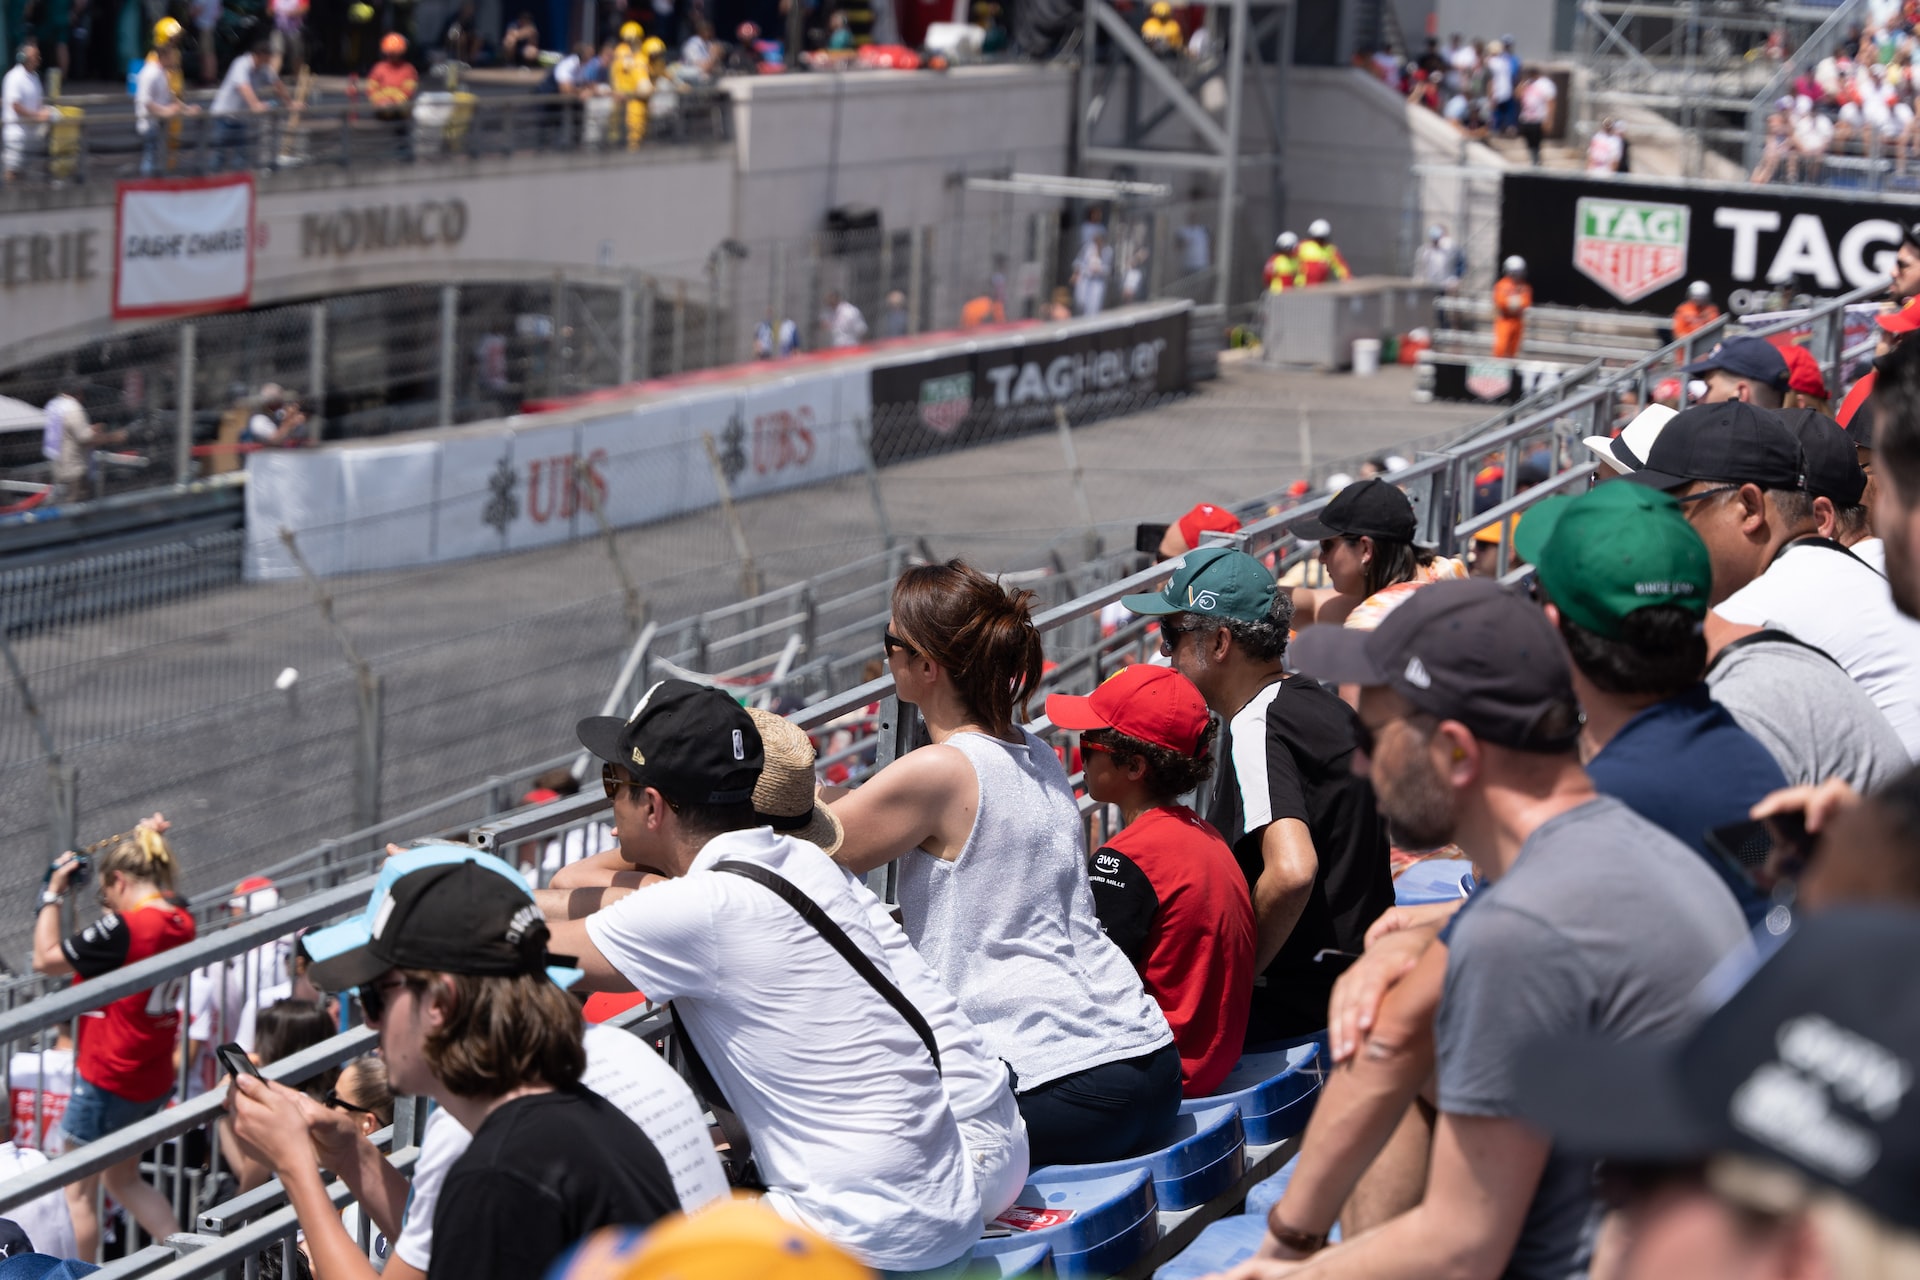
<point>841,1098</point>
<point>233,103</point>
<point>1536,95</point>
<point>23,110</point>
<point>845,326</point>
<point>154,105</point>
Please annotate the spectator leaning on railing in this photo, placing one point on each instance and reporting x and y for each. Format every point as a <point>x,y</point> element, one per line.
<point>124,1069</point>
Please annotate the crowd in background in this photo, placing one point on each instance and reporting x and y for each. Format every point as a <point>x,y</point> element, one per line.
<point>1857,100</point>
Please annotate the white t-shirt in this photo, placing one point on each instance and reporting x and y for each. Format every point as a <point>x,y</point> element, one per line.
<point>850,1123</point>
<point>1536,100</point>
<point>1841,606</point>
<point>1603,153</point>
<point>19,91</point>
<point>222,1000</point>
<point>1499,78</point>
<point>150,90</point>
<point>846,327</point>
<point>566,70</point>
<point>626,1073</point>
<point>45,1219</point>
<point>227,100</point>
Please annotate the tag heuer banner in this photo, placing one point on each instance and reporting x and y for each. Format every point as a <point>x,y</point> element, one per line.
<point>1622,244</point>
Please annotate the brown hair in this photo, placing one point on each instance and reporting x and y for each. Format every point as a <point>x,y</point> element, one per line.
<point>140,854</point>
<point>501,1034</point>
<point>364,1083</point>
<point>979,631</point>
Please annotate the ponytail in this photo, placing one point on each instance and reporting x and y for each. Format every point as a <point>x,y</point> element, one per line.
<point>139,854</point>
<point>980,632</point>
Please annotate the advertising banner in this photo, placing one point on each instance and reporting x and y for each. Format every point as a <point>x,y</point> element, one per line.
<point>955,401</point>
<point>182,245</point>
<point>1635,246</point>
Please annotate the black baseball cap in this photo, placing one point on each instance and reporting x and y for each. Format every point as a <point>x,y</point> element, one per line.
<point>1732,442</point>
<point>455,917</point>
<point>692,743</point>
<point>1367,508</point>
<point>1754,358</point>
<point>1811,1064</point>
<point>1833,468</point>
<point>1461,650</point>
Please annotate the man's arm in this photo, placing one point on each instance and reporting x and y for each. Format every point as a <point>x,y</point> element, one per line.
<point>1288,864</point>
<point>1483,1176</point>
<point>576,904</point>
<point>597,871</point>
<point>570,938</point>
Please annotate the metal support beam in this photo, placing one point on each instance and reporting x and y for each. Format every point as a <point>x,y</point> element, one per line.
<point>1156,72</point>
<point>1238,52</point>
<point>183,421</point>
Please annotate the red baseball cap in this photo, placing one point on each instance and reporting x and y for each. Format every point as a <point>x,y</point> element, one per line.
<point>1905,320</point>
<point>1803,371</point>
<point>1154,704</point>
<point>1207,516</point>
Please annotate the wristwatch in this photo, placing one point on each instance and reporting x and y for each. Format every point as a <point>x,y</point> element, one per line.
<point>1298,1241</point>
<point>51,899</point>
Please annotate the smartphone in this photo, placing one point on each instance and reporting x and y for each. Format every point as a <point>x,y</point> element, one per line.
<point>1766,850</point>
<point>1146,538</point>
<point>236,1061</point>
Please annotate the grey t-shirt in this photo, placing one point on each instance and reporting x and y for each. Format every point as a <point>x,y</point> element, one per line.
<point>1605,923</point>
<point>1807,712</point>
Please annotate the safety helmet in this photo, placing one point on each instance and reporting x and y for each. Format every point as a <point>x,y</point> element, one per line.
<point>1286,242</point>
<point>1436,232</point>
<point>748,32</point>
<point>362,12</point>
<point>1319,229</point>
<point>393,44</point>
<point>737,1240</point>
<point>1161,9</point>
<point>1700,291</point>
<point>629,32</point>
<point>1514,266</point>
<point>165,32</point>
<point>653,47</point>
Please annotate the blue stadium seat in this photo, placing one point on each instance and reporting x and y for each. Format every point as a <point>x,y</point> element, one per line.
<point>1108,1205</point>
<point>1433,880</point>
<point>1274,1088</point>
<point>1009,1256</point>
<point>1221,1245</point>
<point>1267,1192</point>
<point>1202,1159</point>
<point>1111,1256</point>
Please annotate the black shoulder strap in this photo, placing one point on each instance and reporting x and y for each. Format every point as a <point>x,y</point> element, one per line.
<point>738,1161</point>
<point>1769,635</point>
<point>823,924</point>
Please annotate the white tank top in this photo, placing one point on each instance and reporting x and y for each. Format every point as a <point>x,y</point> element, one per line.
<point>1010,925</point>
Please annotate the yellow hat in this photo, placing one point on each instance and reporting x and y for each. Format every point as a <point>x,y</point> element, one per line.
<point>653,47</point>
<point>736,1240</point>
<point>361,12</point>
<point>166,31</point>
<point>630,32</point>
<point>1490,534</point>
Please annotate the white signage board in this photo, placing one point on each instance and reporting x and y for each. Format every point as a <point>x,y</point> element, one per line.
<point>182,245</point>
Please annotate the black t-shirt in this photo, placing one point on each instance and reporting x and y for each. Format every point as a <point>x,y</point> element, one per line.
<point>542,1172</point>
<point>1289,754</point>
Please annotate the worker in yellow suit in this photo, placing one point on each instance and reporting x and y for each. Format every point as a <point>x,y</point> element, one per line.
<point>1160,31</point>
<point>1320,259</point>
<point>1283,268</point>
<point>632,82</point>
<point>1512,298</point>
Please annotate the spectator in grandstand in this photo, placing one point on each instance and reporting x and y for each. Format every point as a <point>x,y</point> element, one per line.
<point>364,1093</point>
<point>1749,369</point>
<point>850,1129</point>
<point>73,468</point>
<point>1697,312</point>
<point>1302,825</point>
<point>520,43</point>
<point>1166,885</point>
<point>842,322</point>
<point>224,997</point>
<point>1895,415</point>
<point>1512,299</point>
<point>1591,920</point>
<point>895,321</point>
<point>285,1028</point>
<point>1625,581</point>
<point>460,37</point>
<point>277,421</point>
<point>575,843</point>
<point>1777,153</point>
<point>124,1070</point>
<point>1366,536</point>
<point>451,963</point>
<point>1739,474</point>
<point>993,882</point>
<point>1536,96</point>
<point>1183,535</point>
<point>23,110</point>
<point>1709,1180</point>
<point>1806,387</point>
<point>1060,306</point>
<point>1606,149</point>
<point>1091,267</point>
<point>738,1241</point>
<point>1438,261</point>
<point>1485,561</point>
<point>44,1219</point>
<point>233,105</point>
<point>155,101</point>
<point>1905,282</point>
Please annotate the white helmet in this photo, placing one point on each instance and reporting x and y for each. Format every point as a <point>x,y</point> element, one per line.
<point>1286,242</point>
<point>1699,291</point>
<point>1436,232</point>
<point>1514,266</point>
<point>1319,229</point>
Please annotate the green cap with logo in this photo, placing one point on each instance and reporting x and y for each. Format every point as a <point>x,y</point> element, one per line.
<point>1217,581</point>
<point>1618,548</point>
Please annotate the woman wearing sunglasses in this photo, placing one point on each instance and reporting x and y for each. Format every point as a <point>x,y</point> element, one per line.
<point>993,878</point>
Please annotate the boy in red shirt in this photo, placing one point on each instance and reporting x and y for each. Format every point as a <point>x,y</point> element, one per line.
<point>1167,888</point>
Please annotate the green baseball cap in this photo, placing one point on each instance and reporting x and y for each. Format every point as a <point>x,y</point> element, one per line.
<point>1615,549</point>
<point>1217,581</point>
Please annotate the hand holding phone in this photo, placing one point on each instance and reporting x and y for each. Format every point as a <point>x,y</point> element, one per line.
<point>236,1061</point>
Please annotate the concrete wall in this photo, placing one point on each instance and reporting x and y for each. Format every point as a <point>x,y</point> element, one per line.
<point>1529,22</point>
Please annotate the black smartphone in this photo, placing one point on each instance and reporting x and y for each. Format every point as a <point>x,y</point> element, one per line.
<point>1146,538</point>
<point>236,1061</point>
<point>1764,850</point>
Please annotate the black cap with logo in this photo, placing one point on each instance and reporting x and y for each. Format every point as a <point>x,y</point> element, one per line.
<point>1467,651</point>
<point>1811,1064</point>
<point>1833,468</point>
<point>692,743</point>
<point>1366,508</point>
<point>1732,442</point>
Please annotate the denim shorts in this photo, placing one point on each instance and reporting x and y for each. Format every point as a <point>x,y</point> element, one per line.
<point>93,1113</point>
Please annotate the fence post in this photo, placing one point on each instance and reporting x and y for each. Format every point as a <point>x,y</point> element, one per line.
<point>645,336</point>
<point>183,420</point>
<point>1077,479</point>
<point>626,328</point>
<point>872,468</point>
<point>916,273</point>
<point>449,341</point>
<point>557,305</point>
<point>588,487</point>
<point>316,371</point>
<point>369,748</point>
<point>63,790</point>
<point>679,326</point>
<point>749,573</point>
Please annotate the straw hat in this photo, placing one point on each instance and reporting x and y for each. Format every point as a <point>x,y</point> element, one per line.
<point>784,794</point>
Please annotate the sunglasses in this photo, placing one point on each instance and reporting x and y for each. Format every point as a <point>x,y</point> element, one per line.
<point>334,1102</point>
<point>1715,491</point>
<point>374,997</point>
<point>1170,637</point>
<point>611,782</point>
<point>891,642</point>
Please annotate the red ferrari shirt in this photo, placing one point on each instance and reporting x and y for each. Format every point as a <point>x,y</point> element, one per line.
<point>127,1047</point>
<point>1171,896</point>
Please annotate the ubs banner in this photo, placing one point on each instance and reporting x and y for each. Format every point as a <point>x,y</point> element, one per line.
<point>955,400</point>
<point>1635,246</point>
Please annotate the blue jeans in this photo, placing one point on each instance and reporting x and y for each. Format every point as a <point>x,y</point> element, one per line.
<point>1104,1113</point>
<point>93,1113</point>
<point>232,143</point>
<point>153,150</point>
